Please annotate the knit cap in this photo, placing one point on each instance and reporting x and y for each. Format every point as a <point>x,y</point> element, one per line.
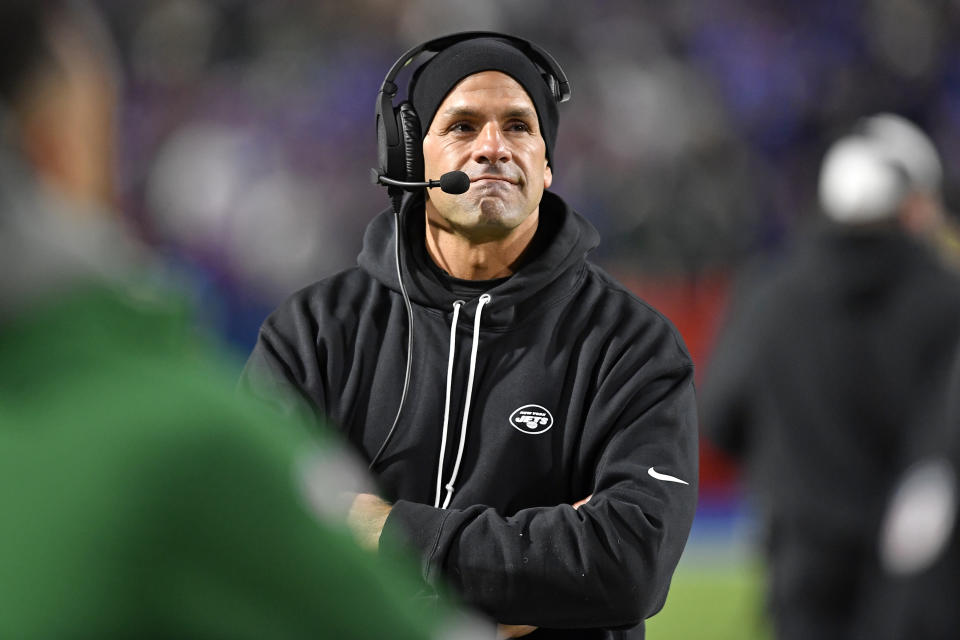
<point>438,76</point>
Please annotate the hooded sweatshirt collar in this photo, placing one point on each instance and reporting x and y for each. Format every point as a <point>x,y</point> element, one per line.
<point>564,238</point>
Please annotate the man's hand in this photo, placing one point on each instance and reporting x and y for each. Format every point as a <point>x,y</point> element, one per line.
<point>513,630</point>
<point>366,519</point>
<point>580,503</point>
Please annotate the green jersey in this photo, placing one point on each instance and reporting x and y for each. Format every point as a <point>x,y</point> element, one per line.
<point>140,496</point>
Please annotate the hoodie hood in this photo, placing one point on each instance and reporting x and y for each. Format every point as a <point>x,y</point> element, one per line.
<point>562,242</point>
<point>859,265</point>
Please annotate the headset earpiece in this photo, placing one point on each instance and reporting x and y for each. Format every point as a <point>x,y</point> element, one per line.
<point>389,146</point>
<point>411,140</point>
<point>553,85</point>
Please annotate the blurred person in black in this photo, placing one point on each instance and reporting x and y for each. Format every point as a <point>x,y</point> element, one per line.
<point>139,496</point>
<point>545,462</point>
<point>825,359</point>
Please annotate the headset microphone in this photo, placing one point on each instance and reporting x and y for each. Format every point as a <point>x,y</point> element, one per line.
<point>453,182</point>
<point>399,151</point>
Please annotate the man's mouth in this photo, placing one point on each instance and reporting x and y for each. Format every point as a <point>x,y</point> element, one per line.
<point>486,178</point>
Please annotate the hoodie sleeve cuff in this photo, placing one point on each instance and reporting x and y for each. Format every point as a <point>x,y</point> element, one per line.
<point>419,526</point>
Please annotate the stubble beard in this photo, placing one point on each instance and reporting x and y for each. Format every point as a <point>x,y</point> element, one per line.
<point>488,219</point>
<point>492,211</point>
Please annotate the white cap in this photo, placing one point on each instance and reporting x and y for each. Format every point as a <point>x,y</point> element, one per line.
<point>865,176</point>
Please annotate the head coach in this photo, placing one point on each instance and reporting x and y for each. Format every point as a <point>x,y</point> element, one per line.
<point>531,423</point>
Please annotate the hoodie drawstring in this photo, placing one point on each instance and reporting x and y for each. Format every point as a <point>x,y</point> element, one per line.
<point>446,405</point>
<point>484,299</point>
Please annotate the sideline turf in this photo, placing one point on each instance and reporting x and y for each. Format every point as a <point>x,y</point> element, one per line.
<point>712,603</point>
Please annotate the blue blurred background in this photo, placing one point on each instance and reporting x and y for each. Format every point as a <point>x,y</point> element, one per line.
<point>692,140</point>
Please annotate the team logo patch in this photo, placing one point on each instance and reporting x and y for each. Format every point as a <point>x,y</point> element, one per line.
<point>531,418</point>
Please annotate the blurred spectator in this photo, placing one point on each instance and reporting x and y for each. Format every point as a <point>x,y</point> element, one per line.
<point>827,356</point>
<point>140,496</point>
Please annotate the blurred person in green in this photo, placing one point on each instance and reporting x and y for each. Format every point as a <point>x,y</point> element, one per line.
<point>139,496</point>
<point>826,360</point>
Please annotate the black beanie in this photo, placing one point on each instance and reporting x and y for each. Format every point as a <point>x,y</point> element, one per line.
<point>438,76</point>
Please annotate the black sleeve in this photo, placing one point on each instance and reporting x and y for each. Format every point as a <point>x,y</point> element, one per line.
<point>276,372</point>
<point>608,564</point>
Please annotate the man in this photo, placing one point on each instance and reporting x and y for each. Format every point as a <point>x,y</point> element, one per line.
<point>824,364</point>
<point>140,498</point>
<point>545,461</point>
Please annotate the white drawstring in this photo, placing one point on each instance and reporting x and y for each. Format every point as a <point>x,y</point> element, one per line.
<point>484,299</point>
<point>446,406</point>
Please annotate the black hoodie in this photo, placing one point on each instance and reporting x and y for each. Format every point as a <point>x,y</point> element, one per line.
<point>578,389</point>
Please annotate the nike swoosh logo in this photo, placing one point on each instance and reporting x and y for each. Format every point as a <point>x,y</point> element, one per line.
<point>662,476</point>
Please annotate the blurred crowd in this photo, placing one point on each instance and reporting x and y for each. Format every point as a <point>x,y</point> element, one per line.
<point>691,141</point>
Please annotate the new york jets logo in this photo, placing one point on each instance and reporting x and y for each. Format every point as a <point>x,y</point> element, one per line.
<point>531,418</point>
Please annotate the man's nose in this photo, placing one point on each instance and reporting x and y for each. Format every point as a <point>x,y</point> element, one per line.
<point>491,146</point>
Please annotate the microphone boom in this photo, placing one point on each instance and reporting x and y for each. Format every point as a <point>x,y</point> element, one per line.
<point>452,182</point>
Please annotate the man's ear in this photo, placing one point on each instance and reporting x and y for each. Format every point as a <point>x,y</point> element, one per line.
<point>547,176</point>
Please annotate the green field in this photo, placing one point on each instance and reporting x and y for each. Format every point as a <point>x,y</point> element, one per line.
<point>712,602</point>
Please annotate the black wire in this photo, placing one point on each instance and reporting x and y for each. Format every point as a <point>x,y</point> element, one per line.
<point>396,197</point>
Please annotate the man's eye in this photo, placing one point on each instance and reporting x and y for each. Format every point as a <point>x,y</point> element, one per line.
<point>518,126</point>
<point>460,127</point>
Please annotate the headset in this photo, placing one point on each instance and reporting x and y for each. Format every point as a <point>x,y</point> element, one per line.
<point>399,138</point>
<point>400,155</point>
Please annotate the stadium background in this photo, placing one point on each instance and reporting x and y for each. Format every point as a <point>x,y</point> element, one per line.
<point>692,143</point>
